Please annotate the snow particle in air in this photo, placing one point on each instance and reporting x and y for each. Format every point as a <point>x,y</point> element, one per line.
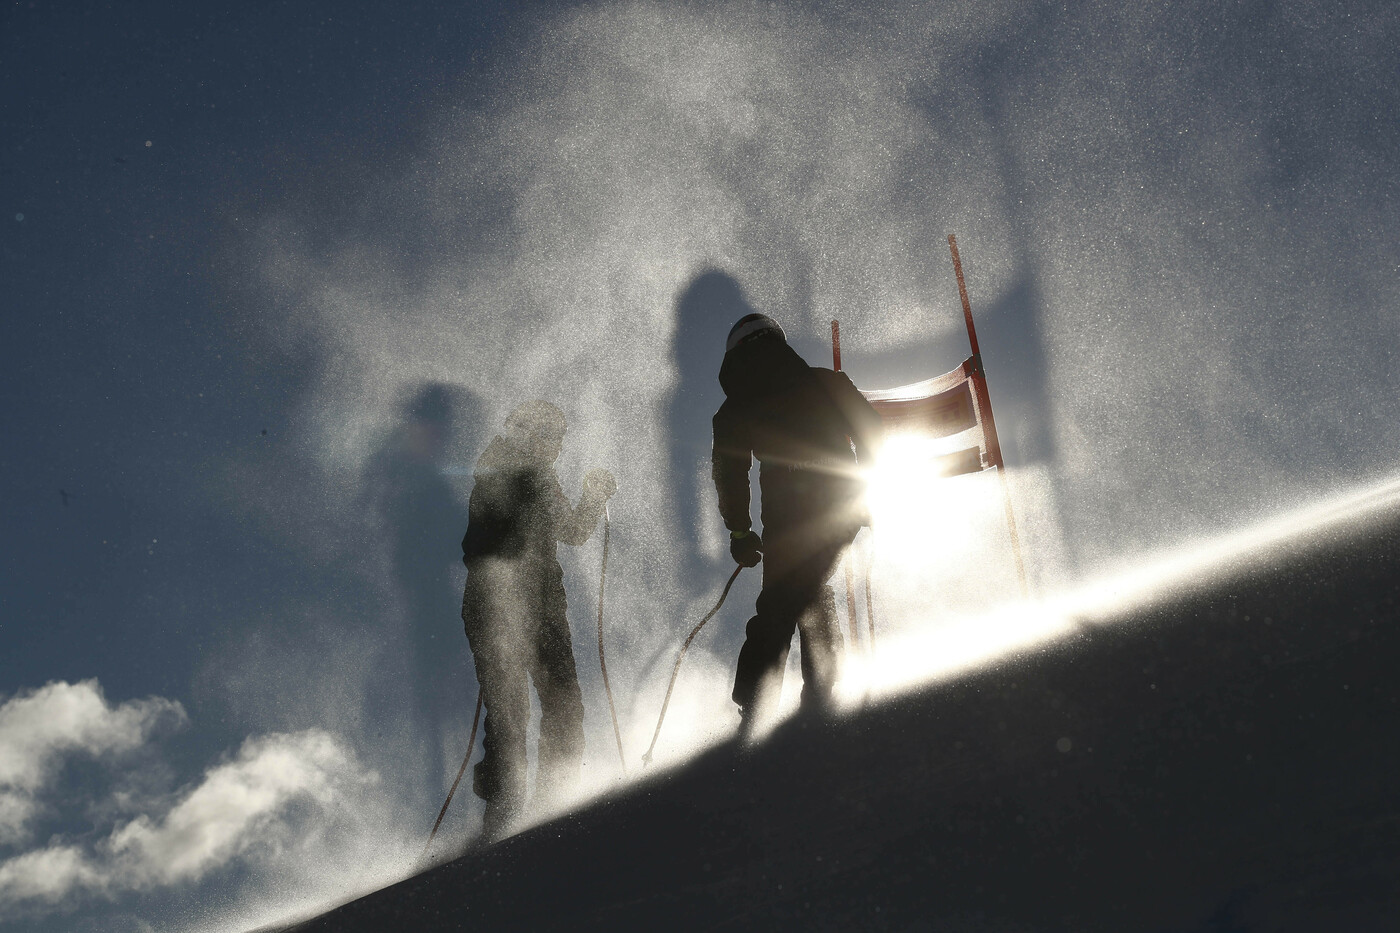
<point>1063,745</point>
<point>148,144</point>
<point>19,218</point>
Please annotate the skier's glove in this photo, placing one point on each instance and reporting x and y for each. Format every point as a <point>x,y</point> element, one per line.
<point>746,547</point>
<point>599,483</point>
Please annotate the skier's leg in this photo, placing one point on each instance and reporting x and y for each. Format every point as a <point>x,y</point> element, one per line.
<point>561,702</point>
<point>758,679</point>
<point>822,644</point>
<point>801,547</point>
<point>499,778</point>
<point>821,647</point>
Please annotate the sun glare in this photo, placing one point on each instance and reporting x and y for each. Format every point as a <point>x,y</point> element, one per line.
<point>918,516</point>
<point>941,648</point>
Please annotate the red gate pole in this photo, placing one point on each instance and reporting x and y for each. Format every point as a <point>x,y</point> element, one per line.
<point>989,426</point>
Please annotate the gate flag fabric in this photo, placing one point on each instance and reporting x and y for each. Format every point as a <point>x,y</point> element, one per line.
<point>943,407</point>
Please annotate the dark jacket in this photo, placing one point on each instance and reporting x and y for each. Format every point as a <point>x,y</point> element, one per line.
<point>808,427</point>
<point>518,509</point>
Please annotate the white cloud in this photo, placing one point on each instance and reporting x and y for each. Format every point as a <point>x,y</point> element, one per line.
<point>251,807</point>
<point>46,875</point>
<point>240,804</point>
<point>39,727</point>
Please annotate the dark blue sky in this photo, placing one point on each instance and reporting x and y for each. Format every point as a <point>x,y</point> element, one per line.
<point>233,241</point>
<point>140,144</point>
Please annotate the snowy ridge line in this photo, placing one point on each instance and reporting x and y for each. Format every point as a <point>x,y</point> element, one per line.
<point>1239,550</point>
<point>974,641</point>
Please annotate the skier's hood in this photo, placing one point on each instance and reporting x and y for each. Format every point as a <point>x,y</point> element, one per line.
<point>759,368</point>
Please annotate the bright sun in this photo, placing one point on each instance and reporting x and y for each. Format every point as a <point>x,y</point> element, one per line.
<point>919,516</point>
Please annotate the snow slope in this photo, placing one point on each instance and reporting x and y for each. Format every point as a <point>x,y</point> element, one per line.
<point>1223,759</point>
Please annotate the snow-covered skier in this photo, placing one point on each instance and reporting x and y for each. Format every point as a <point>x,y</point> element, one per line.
<point>806,426</point>
<point>514,608</point>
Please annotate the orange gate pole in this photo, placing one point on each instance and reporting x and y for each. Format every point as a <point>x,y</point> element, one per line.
<point>989,427</point>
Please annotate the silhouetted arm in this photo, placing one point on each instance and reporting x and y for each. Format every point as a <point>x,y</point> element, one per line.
<point>577,523</point>
<point>867,429</point>
<point>730,462</point>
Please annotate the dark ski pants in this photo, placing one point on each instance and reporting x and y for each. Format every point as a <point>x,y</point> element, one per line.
<point>795,598</point>
<point>519,634</point>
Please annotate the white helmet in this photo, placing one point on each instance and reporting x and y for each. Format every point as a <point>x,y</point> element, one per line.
<point>751,326</point>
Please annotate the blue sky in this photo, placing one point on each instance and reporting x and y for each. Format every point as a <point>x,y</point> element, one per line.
<point>234,242</point>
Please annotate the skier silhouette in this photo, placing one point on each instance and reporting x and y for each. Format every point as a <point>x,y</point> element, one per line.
<point>514,609</point>
<point>807,427</point>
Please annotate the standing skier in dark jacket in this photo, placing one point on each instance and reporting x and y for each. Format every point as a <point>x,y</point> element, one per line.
<point>809,428</point>
<point>514,608</point>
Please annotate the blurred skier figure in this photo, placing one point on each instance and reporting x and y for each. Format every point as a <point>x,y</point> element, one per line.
<point>423,517</point>
<point>514,609</point>
<point>806,426</point>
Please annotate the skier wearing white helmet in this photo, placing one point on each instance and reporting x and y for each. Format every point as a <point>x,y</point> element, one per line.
<point>809,428</point>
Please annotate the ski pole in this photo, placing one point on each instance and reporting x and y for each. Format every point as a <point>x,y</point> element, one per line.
<point>602,662</point>
<point>646,759</point>
<point>471,747</point>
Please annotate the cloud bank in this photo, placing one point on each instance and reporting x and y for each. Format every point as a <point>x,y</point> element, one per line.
<point>270,807</point>
<point>39,728</point>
